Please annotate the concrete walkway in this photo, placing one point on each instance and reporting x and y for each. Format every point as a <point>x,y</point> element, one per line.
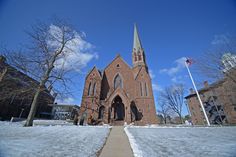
<point>117,144</point>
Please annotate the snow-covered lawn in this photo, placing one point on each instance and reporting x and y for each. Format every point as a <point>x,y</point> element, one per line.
<point>44,141</point>
<point>183,142</point>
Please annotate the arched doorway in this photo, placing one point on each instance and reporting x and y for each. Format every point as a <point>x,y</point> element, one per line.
<point>101,112</point>
<point>134,112</point>
<point>118,109</point>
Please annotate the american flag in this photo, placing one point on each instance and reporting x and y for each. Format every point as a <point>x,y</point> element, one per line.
<point>189,61</point>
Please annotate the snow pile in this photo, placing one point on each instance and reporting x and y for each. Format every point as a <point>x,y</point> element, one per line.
<point>51,122</point>
<point>59,140</point>
<point>137,152</point>
<point>183,141</point>
<point>160,126</point>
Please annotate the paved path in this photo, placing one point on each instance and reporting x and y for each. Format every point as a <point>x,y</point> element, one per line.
<point>117,144</point>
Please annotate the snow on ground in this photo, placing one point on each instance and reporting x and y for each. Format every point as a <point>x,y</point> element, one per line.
<point>51,122</point>
<point>136,151</point>
<point>44,141</point>
<point>183,141</point>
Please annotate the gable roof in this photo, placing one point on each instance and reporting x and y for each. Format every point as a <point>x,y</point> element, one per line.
<point>140,69</point>
<point>204,89</point>
<point>94,68</point>
<point>118,56</point>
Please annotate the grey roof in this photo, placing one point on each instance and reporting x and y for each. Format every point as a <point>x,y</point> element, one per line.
<point>137,43</point>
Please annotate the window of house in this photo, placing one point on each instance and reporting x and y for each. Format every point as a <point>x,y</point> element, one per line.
<point>118,82</point>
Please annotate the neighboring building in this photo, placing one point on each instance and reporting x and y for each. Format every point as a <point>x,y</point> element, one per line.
<point>229,61</point>
<point>120,93</point>
<point>63,112</point>
<point>219,100</point>
<point>17,92</point>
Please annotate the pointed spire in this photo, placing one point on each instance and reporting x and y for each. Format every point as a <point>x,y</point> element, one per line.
<point>137,43</point>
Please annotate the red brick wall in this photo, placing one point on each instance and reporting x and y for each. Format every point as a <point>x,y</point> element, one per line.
<point>129,92</point>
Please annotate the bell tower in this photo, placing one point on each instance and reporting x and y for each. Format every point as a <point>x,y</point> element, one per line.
<point>138,55</point>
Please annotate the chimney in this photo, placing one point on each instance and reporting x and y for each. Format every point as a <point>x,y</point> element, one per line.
<point>2,59</point>
<point>191,91</point>
<point>205,84</point>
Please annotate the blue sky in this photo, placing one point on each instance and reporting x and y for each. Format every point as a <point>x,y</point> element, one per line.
<point>169,30</point>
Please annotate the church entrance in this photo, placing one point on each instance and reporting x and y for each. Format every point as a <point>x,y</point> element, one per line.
<point>118,109</point>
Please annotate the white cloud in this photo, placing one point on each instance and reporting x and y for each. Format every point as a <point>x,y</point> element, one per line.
<point>179,66</point>
<point>156,87</point>
<point>220,39</point>
<point>77,52</point>
<point>68,100</point>
<point>179,79</point>
<point>152,75</point>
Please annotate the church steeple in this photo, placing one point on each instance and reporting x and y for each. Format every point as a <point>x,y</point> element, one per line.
<point>137,43</point>
<point>138,52</point>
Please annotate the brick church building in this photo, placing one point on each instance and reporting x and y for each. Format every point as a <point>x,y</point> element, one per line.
<point>120,93</point>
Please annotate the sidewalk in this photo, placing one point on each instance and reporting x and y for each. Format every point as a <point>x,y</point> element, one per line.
<point>117,144</point>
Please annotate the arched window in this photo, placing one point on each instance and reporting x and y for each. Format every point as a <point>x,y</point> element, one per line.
<point>94,88</point>
<point>139,57</point>
<point>135,57</point>
<point>89,89</point>
<point>146,89</point>
<point>117,82</point>
<point>141,88</point>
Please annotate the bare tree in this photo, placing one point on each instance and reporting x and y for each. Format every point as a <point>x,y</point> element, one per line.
<point>164,110</point>
<point>46,59</point>
<point>173,97</point>
<point>210,63</point>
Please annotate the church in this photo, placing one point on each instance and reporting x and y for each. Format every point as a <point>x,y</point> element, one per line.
<point>119,94</point>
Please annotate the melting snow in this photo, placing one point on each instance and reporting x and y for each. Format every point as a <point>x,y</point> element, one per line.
<point>59,140</point>
<point>182,141</point>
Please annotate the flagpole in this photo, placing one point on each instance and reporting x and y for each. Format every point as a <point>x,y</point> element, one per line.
<point>208,123</point>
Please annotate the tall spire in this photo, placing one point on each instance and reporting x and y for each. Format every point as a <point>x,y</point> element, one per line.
<point>137,43</point>
<point>138,52</point>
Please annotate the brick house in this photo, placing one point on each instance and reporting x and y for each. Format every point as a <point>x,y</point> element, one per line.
<point>120,93</point>
<point>16,94</point>
<point>219,100</point>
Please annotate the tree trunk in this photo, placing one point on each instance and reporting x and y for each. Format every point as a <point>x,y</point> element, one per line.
<point>30,118</point>
<point>180,117</point>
